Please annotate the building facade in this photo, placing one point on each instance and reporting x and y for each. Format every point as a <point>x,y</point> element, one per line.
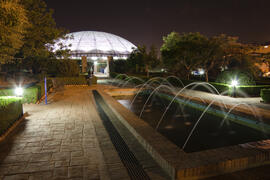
<point>95,49</point>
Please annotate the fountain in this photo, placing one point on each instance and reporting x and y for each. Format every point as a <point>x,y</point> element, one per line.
<point>159,86</point>
<point>193,125</point>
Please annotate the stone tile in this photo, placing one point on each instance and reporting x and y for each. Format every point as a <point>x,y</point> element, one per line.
<point>16,159</point>
<point>17,177</point>
<point>51,143</point>
<point>33,144</point>
<point>39,166</point>
<point>41,175</point>
<point>78,161</point>
<point>60,172</point>
<point>17,168</point>
<point>50,149</point>
<point>76,153</point>
<point>75,171</point>
<point>54,140</point>
<point>41,157</point>
<point>62,163</point>
<point>4,169</point>
<point>61,156</point>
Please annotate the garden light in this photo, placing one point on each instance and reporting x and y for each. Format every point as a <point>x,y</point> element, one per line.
<point>19,91</point>
<point>201,71</point>
<point>234,83</point>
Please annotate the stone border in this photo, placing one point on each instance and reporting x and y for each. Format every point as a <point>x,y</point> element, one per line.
<point>181,165</point>
<point>76,85</point>
<point>14,126</point>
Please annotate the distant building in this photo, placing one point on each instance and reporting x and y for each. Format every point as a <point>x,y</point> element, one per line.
<point>96,47</point>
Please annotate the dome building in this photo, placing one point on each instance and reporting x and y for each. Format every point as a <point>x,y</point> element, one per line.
<point>96,47</point>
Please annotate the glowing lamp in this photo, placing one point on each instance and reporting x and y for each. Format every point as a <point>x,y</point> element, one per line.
<point>201,72</point>
<point>234,83</point>
<point>94,58</point>
<point>19,91</point>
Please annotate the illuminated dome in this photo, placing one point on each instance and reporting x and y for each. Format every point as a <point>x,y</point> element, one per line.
<point>96,44</point>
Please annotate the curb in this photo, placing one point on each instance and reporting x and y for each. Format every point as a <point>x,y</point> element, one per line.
<point>76,85</point>
<point>15,125</point>
<point>43,97</point>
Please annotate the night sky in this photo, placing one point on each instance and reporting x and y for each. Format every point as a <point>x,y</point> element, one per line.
<point>147,21</point>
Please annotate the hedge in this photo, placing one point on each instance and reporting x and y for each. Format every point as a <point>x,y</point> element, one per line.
<point>249,90</point>
<point>265,94</point>
<point>10,111</point>
<point>71,80</point>
<point>31,94</point>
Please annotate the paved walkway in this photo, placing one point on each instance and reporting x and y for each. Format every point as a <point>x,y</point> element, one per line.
<point>56,141</point>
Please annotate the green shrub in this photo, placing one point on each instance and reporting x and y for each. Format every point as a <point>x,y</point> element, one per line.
<point>68,68</point>
<point>10,111</point>
<point>119,66</point>
<point>31,94</point>
<point>113,74</point>
<point>94,80</point>
<point>70,80</point>
<point>265,94</point>
<point>243,77</point>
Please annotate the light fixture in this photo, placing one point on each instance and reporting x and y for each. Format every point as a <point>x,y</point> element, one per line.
<point>19,91</point>
<point>95,63</point>
<point>234,83</point>
<point>94,58</point>
<point>201,71</point>
<point>265,46</point>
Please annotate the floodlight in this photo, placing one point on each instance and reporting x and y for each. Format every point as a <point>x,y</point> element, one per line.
<point>234,83</point>
<point>19,91</point>
<point>201,71</point>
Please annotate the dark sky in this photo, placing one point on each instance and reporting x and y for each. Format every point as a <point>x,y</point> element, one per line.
<point>147,21</point>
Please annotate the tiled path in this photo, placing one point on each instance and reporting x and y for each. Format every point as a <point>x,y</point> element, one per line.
<point>56,141</point>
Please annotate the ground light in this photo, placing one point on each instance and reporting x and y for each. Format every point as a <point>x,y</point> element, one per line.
<point>234,83</point>
<point>18,91</point>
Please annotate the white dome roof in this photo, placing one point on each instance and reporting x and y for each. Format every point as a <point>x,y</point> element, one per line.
<point>96,43</point>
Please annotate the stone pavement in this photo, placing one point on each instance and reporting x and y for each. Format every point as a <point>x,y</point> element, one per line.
<point>56,141</point>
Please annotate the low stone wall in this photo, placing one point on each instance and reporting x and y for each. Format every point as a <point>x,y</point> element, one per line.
<point>181,165</point>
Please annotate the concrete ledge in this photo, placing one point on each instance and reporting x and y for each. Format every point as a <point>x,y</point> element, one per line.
<point>181,165</point>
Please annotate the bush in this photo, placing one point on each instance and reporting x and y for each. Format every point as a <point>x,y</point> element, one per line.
<point>31,94</point>
<point>243,78</point>
<point>113,74</point>
<point>70,80</point>
<point>265,94</point>
<point>94,80</point>
<point>10,111</point>
<point>68,68</point>
<point>119,66</point>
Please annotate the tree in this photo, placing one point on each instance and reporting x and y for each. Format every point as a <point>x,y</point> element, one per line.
<point>13,24</point>
<point>141,59</point>
<point>211,55</point>
<point>39,37</point>
<point>151,59</point>
<point>181,53</point>
<point>135,60</point>
<point>237,55</point>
